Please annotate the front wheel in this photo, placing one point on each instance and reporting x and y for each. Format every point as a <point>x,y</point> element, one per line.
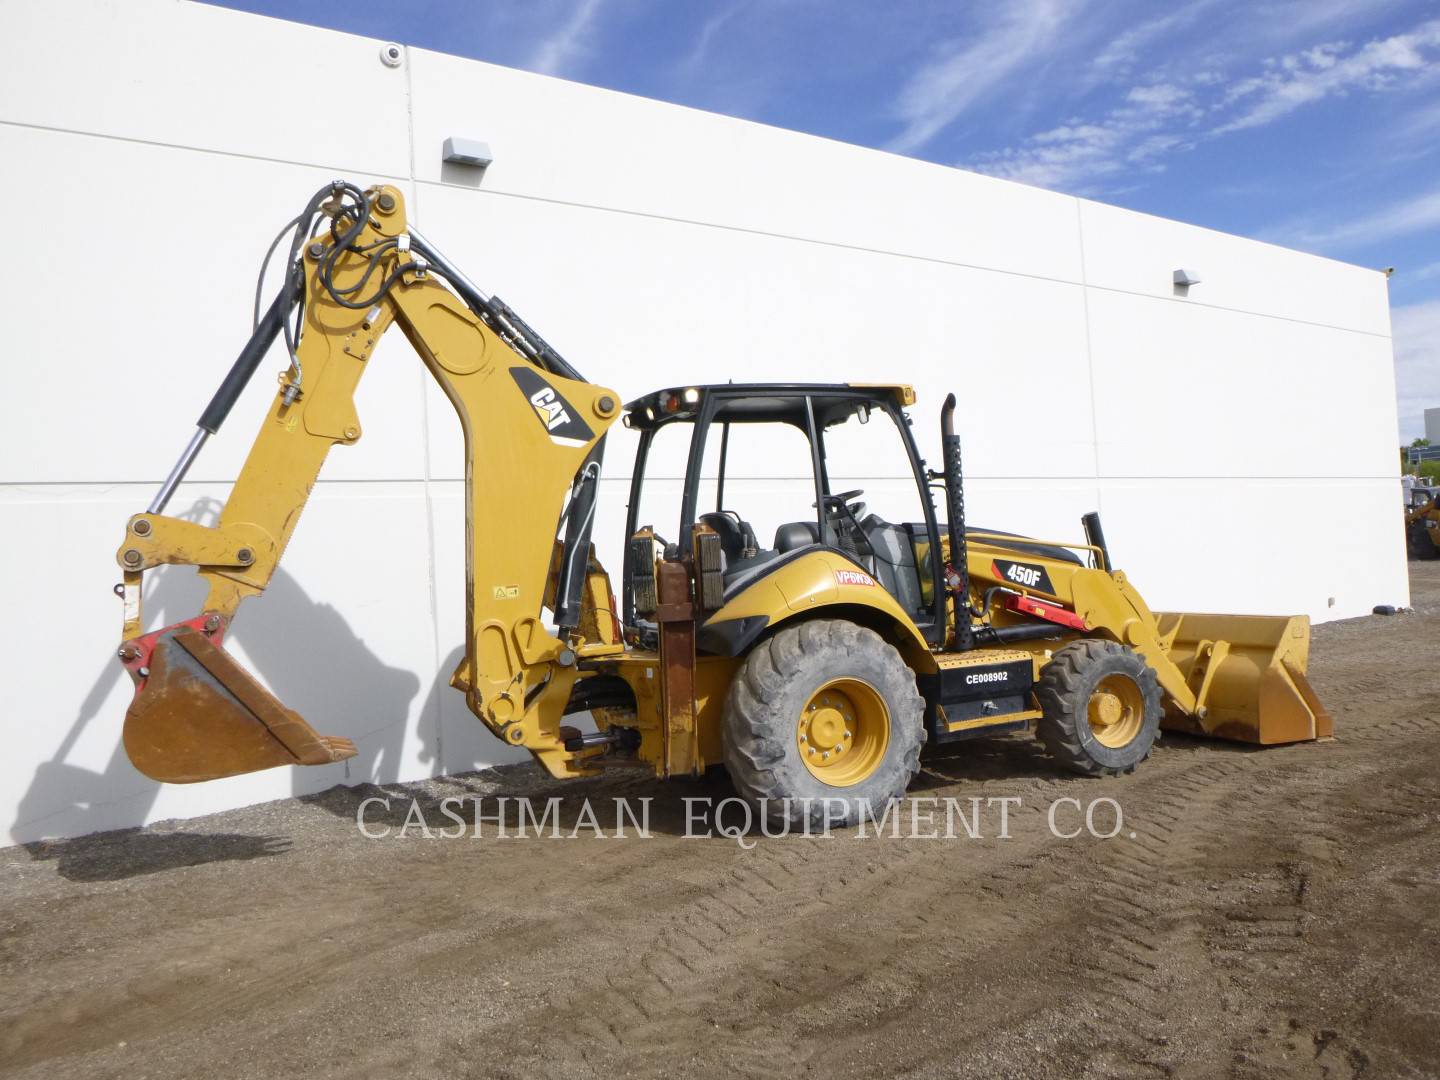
<point>1101,705</point>
<point>822,722</point>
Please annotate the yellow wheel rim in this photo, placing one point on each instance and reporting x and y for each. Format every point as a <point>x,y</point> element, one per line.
<point>843,732</point>
<point>1116,711</point>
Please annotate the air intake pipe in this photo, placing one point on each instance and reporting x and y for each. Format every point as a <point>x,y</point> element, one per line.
<point>955,515</point>
<point>1095,537</point>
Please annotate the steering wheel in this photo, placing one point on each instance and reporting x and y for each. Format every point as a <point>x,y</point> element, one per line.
<point>843,505</point>
<point>845,516</point>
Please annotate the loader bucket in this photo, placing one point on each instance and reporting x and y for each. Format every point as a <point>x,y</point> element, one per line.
<point>1248,675</point>
<point>198,715</point>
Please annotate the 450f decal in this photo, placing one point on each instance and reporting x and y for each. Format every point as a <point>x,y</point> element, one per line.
<point>1028,575</point>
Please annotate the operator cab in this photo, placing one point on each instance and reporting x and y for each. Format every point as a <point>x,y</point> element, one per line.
<point>777,470</point>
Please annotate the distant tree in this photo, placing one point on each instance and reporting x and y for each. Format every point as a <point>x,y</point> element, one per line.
<point>1429,471</point>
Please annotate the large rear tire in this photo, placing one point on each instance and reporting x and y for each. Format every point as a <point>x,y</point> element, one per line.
<point>1101,705</point>
<point>1421,541</point>
<point>823,722</point>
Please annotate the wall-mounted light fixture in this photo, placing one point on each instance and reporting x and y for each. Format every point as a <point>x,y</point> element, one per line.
<point>462,151</point>
<point>1186,278</point>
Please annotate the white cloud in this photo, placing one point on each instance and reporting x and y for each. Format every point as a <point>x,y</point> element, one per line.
<point>1416,328</point>
<point>1164,116</point>
<point>1419,126</point>
<point>1402,219</point>
<point>1133,136</point>
<point>561,49</point>
<point>1239,36</point>
<point>1298,79</point>
<point>1124,51</point>
<point>940,91</point>
<point>696,57</point>
<point>1159,96</point>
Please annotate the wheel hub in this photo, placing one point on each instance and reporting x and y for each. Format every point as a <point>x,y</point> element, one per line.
<point>1116,711</point>
<point>827,727</point>
<point>843,731</point>
<point>1105,709</point>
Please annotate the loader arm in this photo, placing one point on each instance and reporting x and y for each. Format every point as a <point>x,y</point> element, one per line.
<point>532,434</point>
<point>1239,677</point>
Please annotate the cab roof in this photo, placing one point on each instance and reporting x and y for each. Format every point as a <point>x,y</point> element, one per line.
<point>759,403</point>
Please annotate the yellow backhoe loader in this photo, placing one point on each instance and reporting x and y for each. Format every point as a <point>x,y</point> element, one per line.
<point>813,668</point>
<point>1422,523</point>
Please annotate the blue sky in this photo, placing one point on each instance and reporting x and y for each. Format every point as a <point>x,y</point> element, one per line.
<point>1314,124</point>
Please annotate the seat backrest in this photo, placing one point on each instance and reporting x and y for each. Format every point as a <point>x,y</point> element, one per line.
<point>732,538</point>
<point>895,561</point>
<point>794,535</point>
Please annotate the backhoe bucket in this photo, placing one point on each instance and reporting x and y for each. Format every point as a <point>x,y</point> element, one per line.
<point>1247,673</point>
<point>198,715</point>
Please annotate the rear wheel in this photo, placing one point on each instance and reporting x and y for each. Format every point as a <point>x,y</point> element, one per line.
<point>1101,705</point>
<point>823,719</point>
<point>1422,541</point>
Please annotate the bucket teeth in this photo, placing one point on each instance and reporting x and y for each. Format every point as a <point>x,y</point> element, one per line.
<point>201,716</point>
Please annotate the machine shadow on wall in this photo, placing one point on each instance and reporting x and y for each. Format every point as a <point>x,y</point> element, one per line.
<point>315,663</point>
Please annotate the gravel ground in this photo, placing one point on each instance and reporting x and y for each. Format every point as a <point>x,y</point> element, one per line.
<point>1262,913</point>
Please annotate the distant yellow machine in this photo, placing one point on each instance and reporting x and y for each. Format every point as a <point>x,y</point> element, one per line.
<point>812,665</point>
<point>1422,523</point>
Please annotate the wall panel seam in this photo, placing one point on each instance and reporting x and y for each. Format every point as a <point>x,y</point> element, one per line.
<point>934,259</point>
<point>416,182</point>
<point>438,766</point>
<point>81,133</point>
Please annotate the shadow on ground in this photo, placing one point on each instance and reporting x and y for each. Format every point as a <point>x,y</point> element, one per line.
<point>127,853</point>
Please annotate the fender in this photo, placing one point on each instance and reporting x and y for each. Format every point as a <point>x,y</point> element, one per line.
<point>812,581</point>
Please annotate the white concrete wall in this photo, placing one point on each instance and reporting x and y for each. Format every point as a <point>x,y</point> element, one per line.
<point>1239,441</point>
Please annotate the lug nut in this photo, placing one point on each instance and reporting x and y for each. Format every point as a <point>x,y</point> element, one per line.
<point>812,751</point>
<point>143,672</point>
<point>825,756</point>
<point>128,652</point>
<point>848,735</point>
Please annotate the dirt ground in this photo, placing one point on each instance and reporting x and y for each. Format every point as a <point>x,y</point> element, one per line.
<point>1262,913</point>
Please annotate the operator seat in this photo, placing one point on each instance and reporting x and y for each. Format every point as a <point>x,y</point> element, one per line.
<point>894,561</point>
<point>794,535</point>
<point>732,535</point>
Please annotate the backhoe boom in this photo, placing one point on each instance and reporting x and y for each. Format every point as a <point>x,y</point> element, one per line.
<point>532,429</point>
